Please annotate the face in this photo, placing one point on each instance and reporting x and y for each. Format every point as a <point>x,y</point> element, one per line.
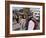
<point>36,15</point>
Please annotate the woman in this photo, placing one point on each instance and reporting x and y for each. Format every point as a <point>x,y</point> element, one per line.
<point>31,22</point>
<point>22,22</point>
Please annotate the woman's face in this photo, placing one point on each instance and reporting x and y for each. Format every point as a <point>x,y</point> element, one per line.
<point>36,15</point>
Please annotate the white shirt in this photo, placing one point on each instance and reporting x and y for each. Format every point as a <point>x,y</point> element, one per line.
<point>31,25</point>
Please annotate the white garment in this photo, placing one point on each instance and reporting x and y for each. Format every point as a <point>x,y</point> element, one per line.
<point>31,25</point>
<point>23,21</point>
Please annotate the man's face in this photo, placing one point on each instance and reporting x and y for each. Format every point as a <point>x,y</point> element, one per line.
<point>36,15</point>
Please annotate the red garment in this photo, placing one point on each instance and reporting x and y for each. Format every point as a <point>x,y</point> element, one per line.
<point>36,23</point>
